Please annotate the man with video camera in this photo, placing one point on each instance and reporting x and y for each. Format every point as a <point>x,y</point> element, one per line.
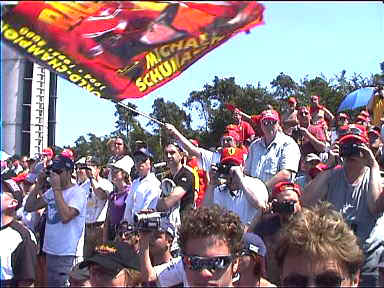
<point>354,188</point>
<point>231,189</point>
<point>284,204</point>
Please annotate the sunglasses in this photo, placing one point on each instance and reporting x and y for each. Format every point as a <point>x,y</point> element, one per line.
<point>323,280</point>
<point>227,139</point>
<point>198,263</point>
<point>269,122</point>
<point>351,131</point>
<point>119,144</point>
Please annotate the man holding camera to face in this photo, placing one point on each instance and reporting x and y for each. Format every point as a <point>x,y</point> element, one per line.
<point>284,204</point>
<point>354,188</point>
<point>64,229</point>
<point>231,189</point>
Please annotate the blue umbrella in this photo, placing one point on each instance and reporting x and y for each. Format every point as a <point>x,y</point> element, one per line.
<point>356,99</point>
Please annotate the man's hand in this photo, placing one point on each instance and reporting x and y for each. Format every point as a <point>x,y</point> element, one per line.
<point>170,128</point>
<point>236,172</point>
<point>55,181</point>
<point>334,154</point>
<point>368,158</point>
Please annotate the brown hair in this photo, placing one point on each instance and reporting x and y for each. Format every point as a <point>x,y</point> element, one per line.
<point>212,221</point>
<point>321,231</point>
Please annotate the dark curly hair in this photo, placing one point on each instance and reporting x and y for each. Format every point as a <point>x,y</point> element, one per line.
<point>211,221</point>
<point>322,232</point>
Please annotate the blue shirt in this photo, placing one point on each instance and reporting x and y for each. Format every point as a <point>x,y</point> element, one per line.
<point>265,162</point>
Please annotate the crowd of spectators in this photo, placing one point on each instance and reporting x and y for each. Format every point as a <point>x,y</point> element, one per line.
<point>298,203</point>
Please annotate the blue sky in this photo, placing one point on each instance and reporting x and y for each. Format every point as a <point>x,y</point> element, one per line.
<point>298,38</point>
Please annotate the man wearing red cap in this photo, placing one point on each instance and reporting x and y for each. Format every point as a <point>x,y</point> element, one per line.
<point>311,138</point>
<point>285,203</point>
<point>275,156</point>
<point>206,158</point>
<point>354,189</point>
<point>319,113</point>
<point>376,144</point>
<point>243,128</point>
<point>289,118</point>
<point>342,119</point>
<point>230,188</point>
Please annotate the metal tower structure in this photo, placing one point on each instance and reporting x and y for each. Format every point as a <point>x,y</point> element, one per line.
<point>28,95</point>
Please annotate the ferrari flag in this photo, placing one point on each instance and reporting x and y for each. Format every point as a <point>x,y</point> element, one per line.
<point>123,49</point>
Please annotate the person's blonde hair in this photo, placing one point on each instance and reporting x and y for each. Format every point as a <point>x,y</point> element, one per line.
<point>320,231</point>
<point>132,278</point>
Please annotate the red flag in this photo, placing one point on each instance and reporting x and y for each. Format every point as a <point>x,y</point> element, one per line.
<point>123,49</point>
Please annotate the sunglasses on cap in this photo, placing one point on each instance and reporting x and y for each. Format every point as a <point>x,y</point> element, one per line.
<point>269,122</point>
<point>323,280</point>
<point>198,263</point>
<point>351,131</point>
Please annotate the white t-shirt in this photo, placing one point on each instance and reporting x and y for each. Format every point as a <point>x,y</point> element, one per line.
<point>171,273</point>
<point>238,202</point>
<point>144,195</point>
<point>62,239</point>
<point>96,207</point>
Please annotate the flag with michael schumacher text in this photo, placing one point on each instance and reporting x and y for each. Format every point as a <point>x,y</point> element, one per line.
<point>123,49</point>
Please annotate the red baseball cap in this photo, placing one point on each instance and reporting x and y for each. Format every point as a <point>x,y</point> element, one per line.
<point>352,131</point>
<point>68,153</point>
<point>48,151</point>
<point>364,113</point>
<point>232,155</point>
<point>285,185</point>
<point>270,115</point>
<point>313,97</point>
<point>292,100</point>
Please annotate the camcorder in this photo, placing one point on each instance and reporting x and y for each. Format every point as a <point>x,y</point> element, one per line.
<point>284,207</point>
<point>350,149</point>
<point>149,221</point>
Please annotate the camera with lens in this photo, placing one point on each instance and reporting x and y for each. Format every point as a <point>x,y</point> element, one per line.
<point>284,207</point>
<point>223,169</point>
<point>148,221</point>
<point>296,134</point>
<point>350,149</point>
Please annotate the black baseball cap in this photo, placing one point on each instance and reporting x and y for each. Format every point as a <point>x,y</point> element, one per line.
<point>143,151</point>
<point>113,256</point>
<point>62,162</point>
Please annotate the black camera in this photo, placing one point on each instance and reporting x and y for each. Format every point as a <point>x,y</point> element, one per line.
<point>223,169</point>
<point>148,221</point>
<point>350,149</point>
<point>297,135</point>
<point>284,207</point>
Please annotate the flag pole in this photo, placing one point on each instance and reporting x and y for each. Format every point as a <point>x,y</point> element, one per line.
<point>141,113</point>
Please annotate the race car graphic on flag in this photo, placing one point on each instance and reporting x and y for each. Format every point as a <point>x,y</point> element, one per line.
<point>123,49</point>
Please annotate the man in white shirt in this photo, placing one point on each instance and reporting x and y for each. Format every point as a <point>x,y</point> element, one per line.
<point>64,229</point>
<point>231,189</point>
<point>145,188</point>
<point>97,189</point>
